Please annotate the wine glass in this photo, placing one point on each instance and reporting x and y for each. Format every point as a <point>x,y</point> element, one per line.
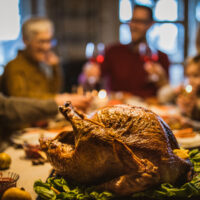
<point>94,54</point>
<point>149,55</point>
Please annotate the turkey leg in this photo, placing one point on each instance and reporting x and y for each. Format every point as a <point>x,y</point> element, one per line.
<point>140,175</point>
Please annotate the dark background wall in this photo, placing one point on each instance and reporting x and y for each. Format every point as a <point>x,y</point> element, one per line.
<point>78,22</point>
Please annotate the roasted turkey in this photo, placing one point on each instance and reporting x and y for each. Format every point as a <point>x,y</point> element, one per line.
<point>121,148</point>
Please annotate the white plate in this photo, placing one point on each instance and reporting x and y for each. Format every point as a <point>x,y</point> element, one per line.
<point>31,138</point>
<point>189,142</point>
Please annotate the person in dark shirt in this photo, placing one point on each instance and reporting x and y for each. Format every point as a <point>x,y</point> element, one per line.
<point>17,111</point>
<point>134,67</point>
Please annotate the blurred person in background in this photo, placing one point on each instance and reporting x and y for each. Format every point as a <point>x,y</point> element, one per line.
<point>90,79</point>
<point>18,111</point>
<point>134,68</point>
<point>188,100</point>
<point>35,72</point>
<point>187,95</point>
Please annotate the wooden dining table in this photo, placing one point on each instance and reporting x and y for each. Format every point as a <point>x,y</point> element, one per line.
<point>28,173</point>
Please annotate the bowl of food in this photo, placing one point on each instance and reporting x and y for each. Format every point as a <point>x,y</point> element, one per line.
<point>7,180</point>
<point>187,138</point>
<point>32,150</point>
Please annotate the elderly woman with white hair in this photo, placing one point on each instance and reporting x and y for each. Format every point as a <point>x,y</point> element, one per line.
<point>35,72</point>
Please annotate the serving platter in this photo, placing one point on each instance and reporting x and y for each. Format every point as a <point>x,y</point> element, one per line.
<point>53,174</point>
<point>165,191</point>
<point>32,137</point>
<point>190,142</point>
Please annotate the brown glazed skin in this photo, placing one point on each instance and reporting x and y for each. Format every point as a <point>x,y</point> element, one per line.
<point>121,148</point>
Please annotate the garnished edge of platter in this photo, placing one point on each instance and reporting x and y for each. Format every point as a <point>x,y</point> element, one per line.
<point>57,188</point>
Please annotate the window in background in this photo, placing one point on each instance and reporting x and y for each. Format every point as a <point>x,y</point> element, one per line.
<point>9,20</point>
<point>166,10</point>
<point>124,34</point>
<point>176,73</point>
<point>169,38</point>
<point>100,48</point>
<point>125,10</point>
<point>125,15</point>
<point>192,27</point>
<point>164,36</point>
<point>89,50</point>
<point>195,32</point>
<point>167,34</point>
<point>198,11</point>
<point>10,30</point>
<point>145,2</point>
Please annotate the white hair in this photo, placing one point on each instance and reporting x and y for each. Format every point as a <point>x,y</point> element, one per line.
<point>36,25</point>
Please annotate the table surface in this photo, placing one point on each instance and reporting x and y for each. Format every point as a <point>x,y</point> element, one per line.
<point>28,173</point>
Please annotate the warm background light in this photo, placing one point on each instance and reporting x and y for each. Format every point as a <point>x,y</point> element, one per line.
<point>188,88</point>
<point>102,94</point>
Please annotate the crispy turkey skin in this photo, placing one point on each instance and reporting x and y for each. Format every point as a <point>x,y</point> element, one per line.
<point>121,148</point>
